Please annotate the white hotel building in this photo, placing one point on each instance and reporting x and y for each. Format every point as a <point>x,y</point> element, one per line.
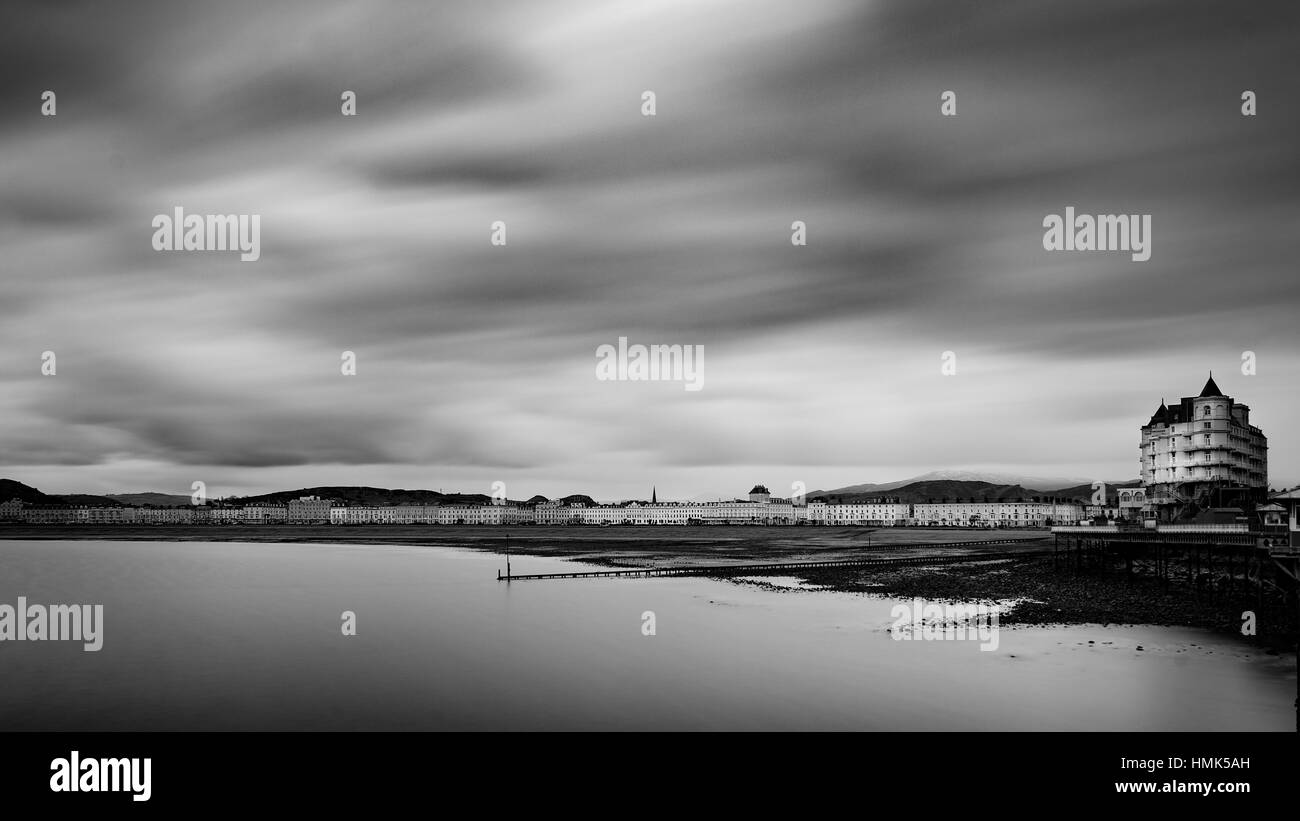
<point>1202,450</point>
<point>996,514</point>
<point>423,514</point>
<point>466,514</point>
<point>870,512</point>
<point>759,509</point>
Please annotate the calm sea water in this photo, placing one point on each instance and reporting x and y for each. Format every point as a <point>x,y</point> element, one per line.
<point>247,636</point>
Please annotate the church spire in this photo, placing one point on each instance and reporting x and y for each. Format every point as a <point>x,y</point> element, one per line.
<point>654,496</point>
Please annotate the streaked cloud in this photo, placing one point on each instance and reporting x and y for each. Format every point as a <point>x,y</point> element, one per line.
<point>476,363</point>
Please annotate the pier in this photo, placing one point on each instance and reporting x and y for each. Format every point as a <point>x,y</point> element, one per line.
<point>1235,570</point>
<point>1210,562</point>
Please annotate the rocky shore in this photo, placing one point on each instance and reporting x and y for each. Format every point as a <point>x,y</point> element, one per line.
<point>1045,595</point>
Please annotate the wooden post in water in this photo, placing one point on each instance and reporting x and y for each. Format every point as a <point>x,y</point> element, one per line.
<point>1259,585</point>
<point>1209,559</point>
<point>1232,571</point>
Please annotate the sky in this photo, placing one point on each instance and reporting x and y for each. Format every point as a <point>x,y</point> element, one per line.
<point>476,363</point>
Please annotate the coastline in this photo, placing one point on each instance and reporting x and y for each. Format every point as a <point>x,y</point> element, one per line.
<point>1041,594</point>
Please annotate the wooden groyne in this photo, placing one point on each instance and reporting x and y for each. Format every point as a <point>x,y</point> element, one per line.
<point>741,569</point>
<point>939,545</point>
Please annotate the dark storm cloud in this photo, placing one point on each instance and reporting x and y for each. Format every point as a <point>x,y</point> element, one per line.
<point>235,419</point>
<point>469,172</point>
<point>925,232</point>
<point>45,207</point>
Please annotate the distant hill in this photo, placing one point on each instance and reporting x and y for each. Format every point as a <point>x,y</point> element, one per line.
<point>961,490</point>
<point>936,490</point>
<point>155,499</point>
<point>347,494</point>
<point>853,490</point>
<point>11,489</point>
<point>1040,484</point>
<point>377,496</point>
<point>84,499</point>
<point>1084,492</point>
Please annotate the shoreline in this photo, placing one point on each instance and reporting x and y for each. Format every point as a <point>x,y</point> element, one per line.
<point>1041,595</point>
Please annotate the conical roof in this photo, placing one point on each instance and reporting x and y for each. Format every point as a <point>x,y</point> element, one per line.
<point>1210,388</point>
